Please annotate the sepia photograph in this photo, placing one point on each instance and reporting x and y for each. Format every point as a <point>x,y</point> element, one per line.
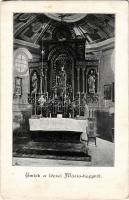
<point>63,89</point>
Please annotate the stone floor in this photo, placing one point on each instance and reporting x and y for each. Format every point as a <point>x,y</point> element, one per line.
<point>101,155</point>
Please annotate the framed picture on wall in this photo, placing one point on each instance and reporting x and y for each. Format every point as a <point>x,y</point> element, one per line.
<point>18,86</point>
<point>108,92</point>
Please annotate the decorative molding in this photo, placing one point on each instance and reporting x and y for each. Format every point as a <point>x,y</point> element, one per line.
<point>27,44</point>
<point>38,64</point>
<point>100,46</point>
<point>96,55</point>
<point>43,31</point>
<point>92,62</point>
<point>35,64</point>
<point>80,64</point>
<point>29,21</point>
<point>61,49</point>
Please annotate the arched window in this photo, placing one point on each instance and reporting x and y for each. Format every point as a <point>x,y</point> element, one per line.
<point>21,58</point>
<point>21,70</point>
<point>21,63</point>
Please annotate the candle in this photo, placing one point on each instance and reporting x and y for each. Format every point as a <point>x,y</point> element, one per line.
<point>47,95</point>
<point>56,80</point>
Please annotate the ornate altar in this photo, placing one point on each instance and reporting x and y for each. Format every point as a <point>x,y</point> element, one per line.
<point>63,82</point>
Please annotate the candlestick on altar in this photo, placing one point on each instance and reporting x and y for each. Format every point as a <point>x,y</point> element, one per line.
<point>47,95</point>
<point>41,78</point>
<point>105,103</point>
<point>31,104</point>
<point>79,102</point>
<point>57,108</point>
<point>47,103</point>
<point>56,80</point>
<point>72,109</point>
<point>35,104</point>
<point>65,86</point>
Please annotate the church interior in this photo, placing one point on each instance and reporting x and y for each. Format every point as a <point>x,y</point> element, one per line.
<point>63,86</point>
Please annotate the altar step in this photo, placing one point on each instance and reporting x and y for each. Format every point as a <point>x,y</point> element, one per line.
<point>48,150</point>
<point>55,136</point>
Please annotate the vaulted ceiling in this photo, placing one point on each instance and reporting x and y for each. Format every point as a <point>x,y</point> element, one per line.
<point>34,27</point>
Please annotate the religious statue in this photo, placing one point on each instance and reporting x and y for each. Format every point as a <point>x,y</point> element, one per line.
<point>34,83</point>
<point>62,80</point>
<point>91,82</point>
<point>42,100</point>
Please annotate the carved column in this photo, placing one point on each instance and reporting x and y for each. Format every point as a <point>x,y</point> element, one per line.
<point>86,80</point>
<point>45,80</point>
<point>78,79</point>
<point>83,80</point>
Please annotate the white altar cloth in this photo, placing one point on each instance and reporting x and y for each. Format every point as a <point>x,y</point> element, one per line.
<point>57,124</point>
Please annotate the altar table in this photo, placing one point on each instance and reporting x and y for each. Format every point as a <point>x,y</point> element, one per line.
<point>57,124</point>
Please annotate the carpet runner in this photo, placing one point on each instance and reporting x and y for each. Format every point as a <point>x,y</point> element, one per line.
<point>52,150</point>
